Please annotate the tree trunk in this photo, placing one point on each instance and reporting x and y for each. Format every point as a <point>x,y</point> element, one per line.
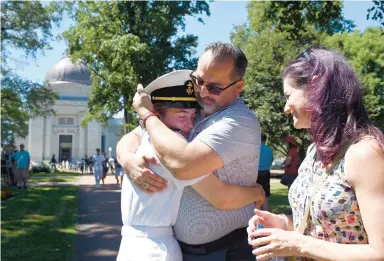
<point>128,121</point>
<point>126,116</point>
<point>281,148</point>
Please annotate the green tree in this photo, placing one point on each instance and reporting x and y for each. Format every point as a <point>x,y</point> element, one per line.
<point>376,12</point>
<point>25,26</point>
<point>275,33</point>
<point>130,42</point>
<point>365,52</point>
<point>22,100</point>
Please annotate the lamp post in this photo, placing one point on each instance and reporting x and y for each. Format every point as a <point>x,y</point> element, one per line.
<point>110,151</point>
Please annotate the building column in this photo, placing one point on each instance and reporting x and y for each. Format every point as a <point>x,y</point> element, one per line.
<point>48,138</point>
<point>93,137</point>
<point>36,138</point>
<point>82,141</point>
<point>30,138</point>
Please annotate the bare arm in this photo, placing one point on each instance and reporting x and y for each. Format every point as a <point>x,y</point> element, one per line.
<point>135,165</point>
<point>185,160</point>
<point>128,144</point>
<point>364,164</point>
<point>226,196</point>
<point>233,137</point>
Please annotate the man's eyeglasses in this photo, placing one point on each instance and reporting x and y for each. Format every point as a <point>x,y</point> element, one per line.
<point>212,89</point>
<point>305,54</point>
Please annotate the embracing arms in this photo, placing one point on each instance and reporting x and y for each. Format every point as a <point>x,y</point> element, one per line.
<point>136,165</point>
<point>226,196</point>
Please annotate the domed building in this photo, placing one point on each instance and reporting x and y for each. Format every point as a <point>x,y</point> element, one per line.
<point>61,134</point>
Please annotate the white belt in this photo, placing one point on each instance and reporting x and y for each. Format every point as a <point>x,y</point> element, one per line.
<point>139,231</point>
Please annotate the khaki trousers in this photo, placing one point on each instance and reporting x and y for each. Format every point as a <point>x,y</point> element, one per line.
<point>21,176</point>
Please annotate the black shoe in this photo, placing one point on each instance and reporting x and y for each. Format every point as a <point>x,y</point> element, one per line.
<point>19,188</point>
<point>25,187</point>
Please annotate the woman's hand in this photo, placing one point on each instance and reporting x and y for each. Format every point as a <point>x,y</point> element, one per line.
<point>142,102</point>
<point>272,242</point>
<point>265,218</point>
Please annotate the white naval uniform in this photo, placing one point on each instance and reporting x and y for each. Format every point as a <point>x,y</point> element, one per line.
<point>98,167</point>
<point>147,219</point>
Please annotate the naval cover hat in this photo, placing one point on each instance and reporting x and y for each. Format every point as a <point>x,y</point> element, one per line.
<point>174,90</point>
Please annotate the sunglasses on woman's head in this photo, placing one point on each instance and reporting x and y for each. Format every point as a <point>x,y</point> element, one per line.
<point>212,89</point>
<point>305,54</point>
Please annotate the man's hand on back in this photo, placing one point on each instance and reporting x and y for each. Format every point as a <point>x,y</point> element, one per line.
<point>138,171</point>
<point>260,202</point>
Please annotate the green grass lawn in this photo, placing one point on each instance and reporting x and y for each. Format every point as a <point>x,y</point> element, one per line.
<point>64,173</point>
<point>39,224</point>
<point>278,200</point>
<point>52,179</point>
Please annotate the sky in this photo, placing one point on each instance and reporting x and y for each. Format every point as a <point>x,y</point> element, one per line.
<point>217,27</point>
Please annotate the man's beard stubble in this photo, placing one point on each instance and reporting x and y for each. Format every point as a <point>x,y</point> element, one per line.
<point>208,109</point>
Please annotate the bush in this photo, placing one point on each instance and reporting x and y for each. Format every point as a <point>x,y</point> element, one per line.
<point>6,193</point>
<point>37,169</point>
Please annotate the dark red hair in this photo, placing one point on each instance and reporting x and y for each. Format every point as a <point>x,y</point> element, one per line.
<point>334,98</point>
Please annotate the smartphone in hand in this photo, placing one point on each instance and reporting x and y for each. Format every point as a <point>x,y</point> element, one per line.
<point>259,226</point>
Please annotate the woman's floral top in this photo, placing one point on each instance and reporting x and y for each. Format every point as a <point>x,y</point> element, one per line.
<point>335,215</point>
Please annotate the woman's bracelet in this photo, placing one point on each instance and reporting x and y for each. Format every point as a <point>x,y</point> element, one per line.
<point>285,219</point>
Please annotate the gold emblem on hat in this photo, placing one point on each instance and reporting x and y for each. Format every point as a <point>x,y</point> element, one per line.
<point>189,88</point>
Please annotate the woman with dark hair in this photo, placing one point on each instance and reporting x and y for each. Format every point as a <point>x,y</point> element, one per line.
<point>337,198</point>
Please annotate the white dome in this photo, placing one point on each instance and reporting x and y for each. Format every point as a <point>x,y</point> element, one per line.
<point>66,71</point>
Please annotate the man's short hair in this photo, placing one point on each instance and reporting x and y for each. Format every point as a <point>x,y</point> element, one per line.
<point>222,51</point>
<point>263,137</point>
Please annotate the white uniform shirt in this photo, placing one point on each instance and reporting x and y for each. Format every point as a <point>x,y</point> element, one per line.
<point>111,162</point>
<point>98,161</point>
<point>157,209</point>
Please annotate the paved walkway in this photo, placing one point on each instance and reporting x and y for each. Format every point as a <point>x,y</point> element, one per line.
<point>99,221</point>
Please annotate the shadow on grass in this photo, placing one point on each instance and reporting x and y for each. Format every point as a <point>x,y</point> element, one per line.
<point>64,173</point>
<point>52,179</point>
<point>39,224</point>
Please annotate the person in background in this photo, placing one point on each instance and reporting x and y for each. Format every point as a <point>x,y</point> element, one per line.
<point>337,198</point>
<point>105,167</point>
<point>11,166</point>
<point>85,161</point>
<point>64,162</point>
<point>4,168</point>
<point>291,163</point>
<point>111,164</point>
<point>119,172</point>
<point>91,165</point>
<point>265,162</point>
<point>82,166</point>
<point>98,163</point>
<point>53,163</point>
<point>22,167</point>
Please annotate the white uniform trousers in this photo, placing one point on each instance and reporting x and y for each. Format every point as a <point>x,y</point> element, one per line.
<point>98,174</point>
<point>148,244</point>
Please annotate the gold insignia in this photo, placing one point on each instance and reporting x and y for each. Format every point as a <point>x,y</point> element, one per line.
<point>189,88</point>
